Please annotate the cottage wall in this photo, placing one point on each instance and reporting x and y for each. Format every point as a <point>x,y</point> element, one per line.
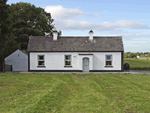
<point>55,60</point>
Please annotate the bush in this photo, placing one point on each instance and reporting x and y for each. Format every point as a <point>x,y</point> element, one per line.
<point>139,68</point>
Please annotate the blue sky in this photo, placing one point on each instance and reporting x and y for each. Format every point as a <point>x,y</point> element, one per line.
<point>127,18</point>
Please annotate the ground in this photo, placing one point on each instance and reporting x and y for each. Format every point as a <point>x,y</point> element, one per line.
<point>72,93</point>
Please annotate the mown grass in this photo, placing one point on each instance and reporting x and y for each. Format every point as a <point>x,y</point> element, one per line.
<point>144,58</point>
<point>138,64</point>
<point>73,93</point>
<point>141,58</point>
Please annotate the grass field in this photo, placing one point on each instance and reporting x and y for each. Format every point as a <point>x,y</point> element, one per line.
<point>138,62</point>
<point>73,93</point>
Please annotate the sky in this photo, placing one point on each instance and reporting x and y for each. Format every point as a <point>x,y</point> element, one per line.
<point>127,18</point>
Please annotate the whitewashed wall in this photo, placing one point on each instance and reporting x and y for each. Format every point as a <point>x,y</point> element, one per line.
<point>19,63</point>
<point>55,60</point>
<point>99,61</point>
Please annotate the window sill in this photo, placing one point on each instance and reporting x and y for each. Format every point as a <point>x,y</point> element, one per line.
<point>40,66</point>
<point>67,66</point>
<point>108,66</point>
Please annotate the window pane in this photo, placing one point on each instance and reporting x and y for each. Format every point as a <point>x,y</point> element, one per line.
<point>108,57</point>
<point>67,63</point>
<point>41,63</point>
<point>108,62</point>
<point>41,57</point>
<point>68,57</point>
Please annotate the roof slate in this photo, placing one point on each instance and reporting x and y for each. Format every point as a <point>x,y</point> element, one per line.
<point>78,43</point>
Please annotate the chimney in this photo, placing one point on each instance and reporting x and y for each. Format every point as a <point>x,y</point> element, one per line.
<point>55,35</point>
<point>90,35</point>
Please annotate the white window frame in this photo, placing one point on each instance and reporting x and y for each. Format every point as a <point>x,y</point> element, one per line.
<point>68,60</point>
<point>108,60</point>
<point>41,60</point>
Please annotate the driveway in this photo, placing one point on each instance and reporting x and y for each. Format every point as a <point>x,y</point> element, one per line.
<point>125,72</point>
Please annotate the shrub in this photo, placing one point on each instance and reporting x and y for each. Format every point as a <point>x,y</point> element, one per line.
<point>139,68</point>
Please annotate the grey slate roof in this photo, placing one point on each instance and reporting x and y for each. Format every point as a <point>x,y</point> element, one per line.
<point>78,43</point>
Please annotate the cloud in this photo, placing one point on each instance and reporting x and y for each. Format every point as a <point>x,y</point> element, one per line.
<point>130,24</point>
<point>137,36</point>
<point>58,12</point>
<point>123,24</point>
<point>122,32</point>
<point>105,26</point>
<point>63,20</point>
<point>118,32</point>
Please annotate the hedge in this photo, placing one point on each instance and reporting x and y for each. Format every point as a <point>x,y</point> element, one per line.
<point>139,68</point>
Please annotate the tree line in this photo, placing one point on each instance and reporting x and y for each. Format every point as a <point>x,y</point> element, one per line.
<point>132,55</point>
<point>18,22</point>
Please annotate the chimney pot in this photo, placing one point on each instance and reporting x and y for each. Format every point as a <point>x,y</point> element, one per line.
<point>90,35</point>
<point>55,35</point>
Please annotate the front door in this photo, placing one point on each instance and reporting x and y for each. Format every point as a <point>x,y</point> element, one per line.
<point>85,64</point>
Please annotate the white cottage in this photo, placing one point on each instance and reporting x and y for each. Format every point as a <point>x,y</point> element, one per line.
<point>75,54</point>
<point>18,60</point>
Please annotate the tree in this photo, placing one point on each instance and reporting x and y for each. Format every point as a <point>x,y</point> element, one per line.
<point>129,55</point>
<point>59,33</point>
<point>138,54</point>
<point>125,55</point>
<point>29,20</point>
<point>7,41</point>
<point>148,54</point>
<point>133,55</point>
<point>4,27</point>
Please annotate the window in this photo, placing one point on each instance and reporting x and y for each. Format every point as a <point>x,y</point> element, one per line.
<point>108,60</point>
<point>41,60</point>
<point>67,60</point>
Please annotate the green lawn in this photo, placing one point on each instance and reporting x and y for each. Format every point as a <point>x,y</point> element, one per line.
<point>137,62</point>
<point>73,93</point>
